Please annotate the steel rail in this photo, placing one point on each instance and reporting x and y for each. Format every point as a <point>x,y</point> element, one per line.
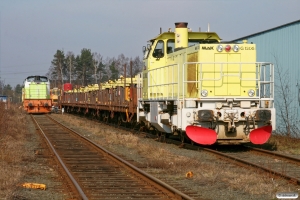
<point>293,179</point>
<point>286,157</point>
<point>75,183</point>
<point>175,193</point>
<point>243,162</point>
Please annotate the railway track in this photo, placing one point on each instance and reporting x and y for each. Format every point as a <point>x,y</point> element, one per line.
<point>274,163</point>
<point>96,173</point>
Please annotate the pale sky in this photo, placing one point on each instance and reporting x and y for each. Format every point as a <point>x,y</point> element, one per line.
<point>32,30</point>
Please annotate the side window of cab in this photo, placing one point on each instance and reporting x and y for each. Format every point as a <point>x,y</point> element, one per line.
<point>170,46</point>
<point>159,50</point>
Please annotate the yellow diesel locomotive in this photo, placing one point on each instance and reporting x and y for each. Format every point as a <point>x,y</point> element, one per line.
<point>36,95</point>
<point>194,85</point>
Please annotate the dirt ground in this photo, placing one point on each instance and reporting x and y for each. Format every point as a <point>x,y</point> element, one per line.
<point>212,178</point>
<point>25,158</point>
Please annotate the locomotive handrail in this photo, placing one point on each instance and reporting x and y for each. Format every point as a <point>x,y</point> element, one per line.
<point>156,86</point>
<point>156,89</point>
<point>262,81</point>
<point>221,69</point>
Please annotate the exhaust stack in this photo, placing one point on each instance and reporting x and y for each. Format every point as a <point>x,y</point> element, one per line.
<point>181,35</point>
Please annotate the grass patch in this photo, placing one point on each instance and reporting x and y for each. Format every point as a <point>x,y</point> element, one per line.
<point>12,137</point>
<point>286,144</point>
<point>281,143</point>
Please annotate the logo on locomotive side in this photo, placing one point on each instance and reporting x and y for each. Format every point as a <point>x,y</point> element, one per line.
<point>208,48</point>
<point>247,48</point>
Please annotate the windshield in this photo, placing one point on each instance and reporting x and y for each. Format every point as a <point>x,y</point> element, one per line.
<point>37,79</point>
<point>159,50</point>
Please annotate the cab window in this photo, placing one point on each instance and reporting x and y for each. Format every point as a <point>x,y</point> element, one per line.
<point>43,79</point>
<point>159,50</point>
<point>170,46</point>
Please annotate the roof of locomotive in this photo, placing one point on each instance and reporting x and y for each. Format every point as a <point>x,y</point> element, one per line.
<point>191,35</point>
<point>36,78</point>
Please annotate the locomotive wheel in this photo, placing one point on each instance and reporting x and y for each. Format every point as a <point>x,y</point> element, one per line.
<point>192,142</point>
<point>158,134</point>
<point>182,136</point>
<point>152,130</point>
<point>162,137</point>
<point>133,124</point>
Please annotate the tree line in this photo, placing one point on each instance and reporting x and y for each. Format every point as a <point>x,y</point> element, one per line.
<point>89,68</point>
<point>86,68</point>
<point>14,93</point>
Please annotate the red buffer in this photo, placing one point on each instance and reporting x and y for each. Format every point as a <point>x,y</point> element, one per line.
<point>260,135</point>
<point>201,135</point>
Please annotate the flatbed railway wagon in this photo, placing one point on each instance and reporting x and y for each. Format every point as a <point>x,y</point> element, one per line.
<point>36,95</point>
<point>110,101</point>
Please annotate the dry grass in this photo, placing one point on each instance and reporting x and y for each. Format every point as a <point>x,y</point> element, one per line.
<point>282,143</point>
<point>286,144</point>
<point>168,161</point>
<point>12,135</point>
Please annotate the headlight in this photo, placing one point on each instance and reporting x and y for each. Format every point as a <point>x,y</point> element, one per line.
<point>251,93</point>
<point>219,48</point>
<point>204,93</point>
<point>188,114</point>
<point>227,48</point>
<point>236,48</point>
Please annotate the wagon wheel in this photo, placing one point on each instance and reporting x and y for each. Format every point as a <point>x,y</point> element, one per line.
<point>119,122</point>
<point>136,127</point>
<point>105,118</point>
<point>126,124</point>
<point>132,124</point>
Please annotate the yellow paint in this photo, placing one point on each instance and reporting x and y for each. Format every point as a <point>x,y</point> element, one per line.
<point>119,82</point>
<point>127,94</point>
<point>162,79</point>
<point>227,77</point>
<point>181,37</point>
<point>189,174</point>
<point>34,186</point>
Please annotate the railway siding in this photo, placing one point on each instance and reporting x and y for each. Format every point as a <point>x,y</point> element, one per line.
<point>274,163</point>
<point>210,173</point>
<point>95,175</point>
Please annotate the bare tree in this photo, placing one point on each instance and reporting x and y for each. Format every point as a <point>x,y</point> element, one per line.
<point>52,75</point>
<point>284,100</point>
<point>120,62</point>
<point>137,65</point>
<point>97,60</point>
<point>70,61</point>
